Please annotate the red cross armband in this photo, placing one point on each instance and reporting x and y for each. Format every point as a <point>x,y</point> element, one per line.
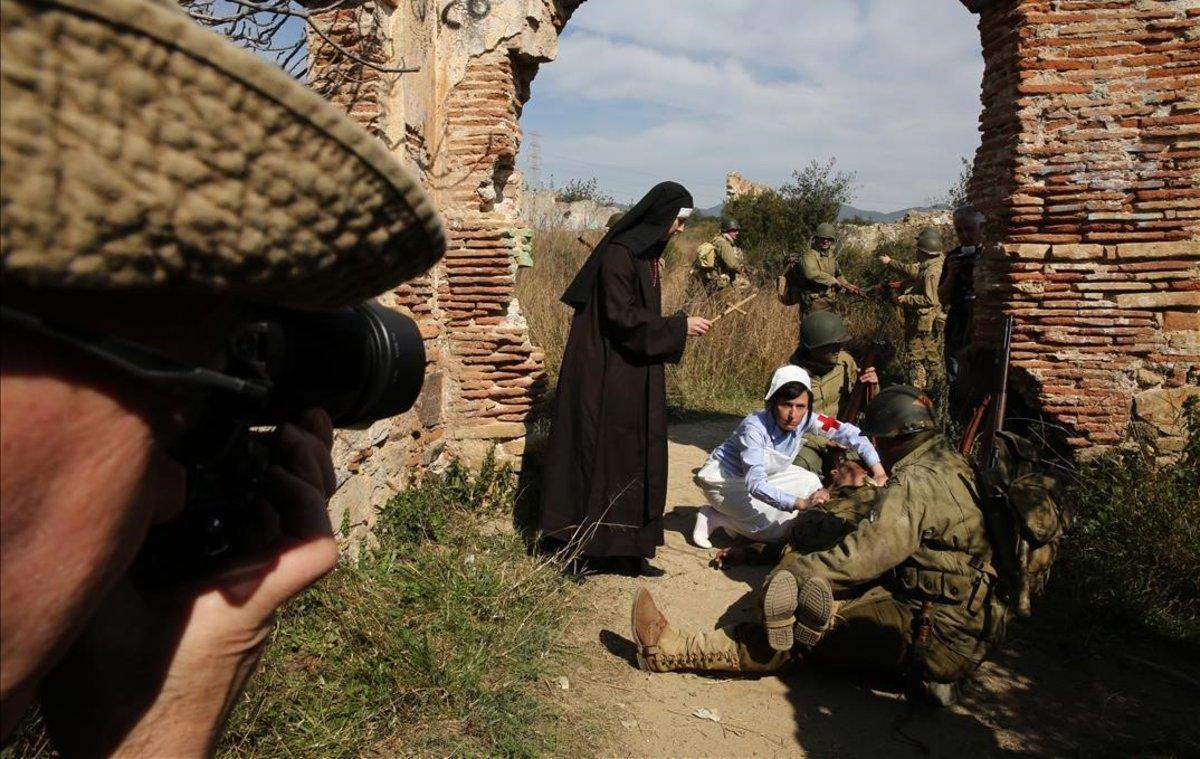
<point>828,423</point>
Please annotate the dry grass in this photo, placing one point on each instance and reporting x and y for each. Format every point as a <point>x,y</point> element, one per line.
<point>727,369</point>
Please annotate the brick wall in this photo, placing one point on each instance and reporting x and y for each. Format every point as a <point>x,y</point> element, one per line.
<point>496,369</point>
<point>1088,173</point>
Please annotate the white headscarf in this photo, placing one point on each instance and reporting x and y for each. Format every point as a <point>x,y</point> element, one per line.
<point>786,374</point>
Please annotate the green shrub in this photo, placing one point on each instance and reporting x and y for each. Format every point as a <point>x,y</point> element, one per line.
<point>580,189</point>
<point>778,224</point>
<point>1133,554</point>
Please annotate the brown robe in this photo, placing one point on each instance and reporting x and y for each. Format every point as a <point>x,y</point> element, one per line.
<point>605,479</point>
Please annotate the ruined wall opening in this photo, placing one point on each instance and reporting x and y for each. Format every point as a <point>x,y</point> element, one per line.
<point>1086,169</point>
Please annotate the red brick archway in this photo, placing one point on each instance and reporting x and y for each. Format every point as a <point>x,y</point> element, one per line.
<point>1087,171</point>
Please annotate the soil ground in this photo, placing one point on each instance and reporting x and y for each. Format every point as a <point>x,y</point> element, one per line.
<point>1046,692</point>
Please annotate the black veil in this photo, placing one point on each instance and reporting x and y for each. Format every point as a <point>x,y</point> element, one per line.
<point>640,230</point>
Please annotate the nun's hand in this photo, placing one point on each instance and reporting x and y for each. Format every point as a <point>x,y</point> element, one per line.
<point>697,325</point>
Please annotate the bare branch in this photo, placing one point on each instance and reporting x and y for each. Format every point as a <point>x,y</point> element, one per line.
<point>263,27</point>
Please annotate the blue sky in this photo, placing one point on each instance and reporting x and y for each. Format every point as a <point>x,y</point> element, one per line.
<point>645,90</point>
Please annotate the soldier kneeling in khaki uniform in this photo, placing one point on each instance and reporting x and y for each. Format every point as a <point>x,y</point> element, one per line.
<point>834,373</point>
<point>907,594</point>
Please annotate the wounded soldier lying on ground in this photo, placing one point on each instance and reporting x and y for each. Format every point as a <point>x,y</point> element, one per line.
<point>851,495</point>
<point>752,486</point>
<point>907,595</point>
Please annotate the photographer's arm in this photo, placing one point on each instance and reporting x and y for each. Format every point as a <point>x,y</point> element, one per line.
<point>157,676</point>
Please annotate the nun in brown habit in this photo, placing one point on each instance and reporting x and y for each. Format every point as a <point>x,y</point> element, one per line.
<point>605,479</point>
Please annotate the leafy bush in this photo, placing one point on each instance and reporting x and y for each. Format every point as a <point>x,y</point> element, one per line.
<point>580,189</point>
<point>1134,552</point>
<point>776,225</point>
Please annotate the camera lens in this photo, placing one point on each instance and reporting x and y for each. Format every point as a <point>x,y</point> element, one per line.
<point>360,364</point>
<point>395,356</point>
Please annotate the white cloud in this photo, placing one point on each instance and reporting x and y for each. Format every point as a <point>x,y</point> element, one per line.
<point>687,90</point>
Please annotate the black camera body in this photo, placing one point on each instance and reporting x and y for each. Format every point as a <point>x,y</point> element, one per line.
<point>360,364</point>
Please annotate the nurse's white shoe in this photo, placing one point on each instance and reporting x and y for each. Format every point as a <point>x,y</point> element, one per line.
<point>707,522</point>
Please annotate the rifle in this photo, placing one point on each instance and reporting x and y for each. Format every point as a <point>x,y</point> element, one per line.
<point>987,452</point>
<point>883,289</point>
<point>1010,548</point>
<point>862,394</point>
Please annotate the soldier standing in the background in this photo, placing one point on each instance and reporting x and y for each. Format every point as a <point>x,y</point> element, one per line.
<point>591,237</point>
<point>720,262</point>
<point>957,290</point>
<point>923,318</point>
<point>834,373</point>
<point>814,281</point>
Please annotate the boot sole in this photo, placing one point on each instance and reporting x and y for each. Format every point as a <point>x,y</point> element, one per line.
<point>779,610</point>
<point>814,610</point>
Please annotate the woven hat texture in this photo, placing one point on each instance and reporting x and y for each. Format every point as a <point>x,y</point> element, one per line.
<point>139,151</point>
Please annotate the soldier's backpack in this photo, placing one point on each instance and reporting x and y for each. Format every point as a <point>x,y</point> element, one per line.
<point>1027,509</point>
<point>706,256</point>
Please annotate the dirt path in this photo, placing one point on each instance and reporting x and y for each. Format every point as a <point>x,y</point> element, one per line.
<point>1039,695</point>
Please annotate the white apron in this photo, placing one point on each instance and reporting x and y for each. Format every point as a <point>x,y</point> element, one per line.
<point>748,516</point>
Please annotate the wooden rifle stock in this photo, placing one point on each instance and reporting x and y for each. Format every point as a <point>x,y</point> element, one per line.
<point>862,394</point>
<point>970,433</point>
<point>999,398</point>
<point>1011,549</point>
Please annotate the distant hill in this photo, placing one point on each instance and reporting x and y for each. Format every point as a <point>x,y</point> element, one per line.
<point>847,212</point>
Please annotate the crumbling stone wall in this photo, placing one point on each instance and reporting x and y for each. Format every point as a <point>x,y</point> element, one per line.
<point>737,185</point>
<point>1087,170</point>
<point>455,122</point>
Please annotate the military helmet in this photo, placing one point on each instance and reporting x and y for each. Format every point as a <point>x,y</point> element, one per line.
<point>822,328</point>
<point>613,219</point>
<point>825,230</point>
<point>899,410</point>
<point>930,241</point>
<point>730,225</point>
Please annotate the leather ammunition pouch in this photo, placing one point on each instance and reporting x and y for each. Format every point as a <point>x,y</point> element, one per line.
<point>971,590</point>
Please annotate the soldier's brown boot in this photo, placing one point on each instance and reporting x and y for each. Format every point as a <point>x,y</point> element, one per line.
<point>814,610</point>
<point>662,648</point>
<point>779,610</point>
<point>796,611</point>
<point>647,624</point>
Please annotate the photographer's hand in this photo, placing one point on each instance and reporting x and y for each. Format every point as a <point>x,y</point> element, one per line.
<point>157,674</point>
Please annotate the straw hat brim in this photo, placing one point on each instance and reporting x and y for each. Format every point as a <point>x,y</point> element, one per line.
<point>141,152</point>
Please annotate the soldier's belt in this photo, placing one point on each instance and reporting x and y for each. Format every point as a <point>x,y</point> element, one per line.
<point>940,587</point>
